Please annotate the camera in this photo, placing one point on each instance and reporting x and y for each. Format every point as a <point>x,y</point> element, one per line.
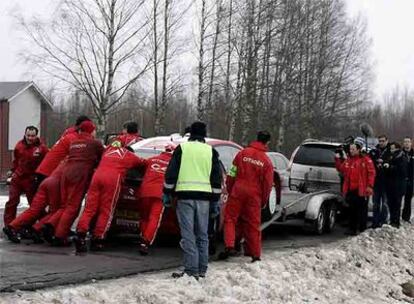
<point>343,149</point>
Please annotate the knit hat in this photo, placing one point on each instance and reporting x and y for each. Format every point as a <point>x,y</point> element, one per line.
<point>87,126</point>
<point>198,128</point>
<point>360,142</point>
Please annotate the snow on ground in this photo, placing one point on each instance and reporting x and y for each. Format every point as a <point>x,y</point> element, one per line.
<point>364,269</point>
<point>5,198</point>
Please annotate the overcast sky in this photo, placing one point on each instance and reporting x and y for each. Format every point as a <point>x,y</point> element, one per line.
<point>390,25</point>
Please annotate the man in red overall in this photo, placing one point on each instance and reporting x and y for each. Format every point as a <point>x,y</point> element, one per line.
<point>249,184</point>
<point>46,197</point>
<point>59,150</point>
<point>151,206</point>
<point>84,154</point>
<point>27,154</point>
<point>103,194</point>
<point>130,134</point>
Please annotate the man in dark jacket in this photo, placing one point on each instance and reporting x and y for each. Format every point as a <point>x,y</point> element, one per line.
<point>409,154</point>
<point>194,177</point>
<point>395,180</point>
<point>379,155</point>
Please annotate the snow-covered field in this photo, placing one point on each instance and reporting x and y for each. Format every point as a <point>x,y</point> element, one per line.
<point>364,269</point>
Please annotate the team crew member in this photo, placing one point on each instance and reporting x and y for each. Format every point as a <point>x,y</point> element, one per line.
<point>395,176</point>
<point>249,184</point>
<point>103,194</point>
<point>60,149</point>
<point>75,127</point>
<point>359,176</point>
<point>409,154</point>
<point>84,154</point>
<point>47,196</point>
<point>194,176</point>
<point>27,154</point>
<point>130,134</point>
<point>151,207</point>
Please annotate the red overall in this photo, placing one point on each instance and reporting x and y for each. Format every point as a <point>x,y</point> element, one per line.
<point>48,195</point>
<point>128,139</point>
<point>84,154</point>
<point>249,184</point>
<point>150,205</point>
<point>56,154</point>
<point>104,190</point>
<point>26,159</point>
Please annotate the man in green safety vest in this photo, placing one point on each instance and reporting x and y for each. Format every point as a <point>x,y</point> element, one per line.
<point>194,177</point>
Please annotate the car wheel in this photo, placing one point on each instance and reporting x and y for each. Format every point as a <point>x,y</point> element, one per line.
<point>269,211</point>
<point>320,222</point>
<point>331,218</point>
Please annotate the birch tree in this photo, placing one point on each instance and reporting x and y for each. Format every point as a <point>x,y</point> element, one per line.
<point>95,46</point>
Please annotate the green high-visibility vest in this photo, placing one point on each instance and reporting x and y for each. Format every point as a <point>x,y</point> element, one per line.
<point>195,169</point>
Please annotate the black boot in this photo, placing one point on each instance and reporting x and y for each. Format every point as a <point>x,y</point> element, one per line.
<point>35,236</point>
<point>97,244</point>
<point>177,275</point>
<point>256,259</point>
<point>11,234</point>
<point>143,247</point>
<point>80,244</point>
<point>26,233</point>
<point>48,231</point>
<point>228,252</point>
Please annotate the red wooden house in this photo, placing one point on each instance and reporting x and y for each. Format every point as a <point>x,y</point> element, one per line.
<point>21,104</point>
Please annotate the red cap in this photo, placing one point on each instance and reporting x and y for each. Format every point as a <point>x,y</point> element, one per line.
<point>87,126</point>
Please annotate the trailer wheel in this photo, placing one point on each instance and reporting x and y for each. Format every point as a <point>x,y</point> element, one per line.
<point>331,217</point>
<point>320,222</point>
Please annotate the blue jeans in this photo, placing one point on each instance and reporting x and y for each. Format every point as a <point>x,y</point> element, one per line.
<point>379,200</point>
<point>193,216</point>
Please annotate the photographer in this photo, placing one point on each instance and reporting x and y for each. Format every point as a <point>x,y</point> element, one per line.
<point>379,155</point>
<point>395,180</point>
<point>358,180</point>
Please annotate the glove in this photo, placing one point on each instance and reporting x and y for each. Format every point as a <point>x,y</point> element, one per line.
<point>369,191</point>
<point>167,200</point>
<point>214,209</point>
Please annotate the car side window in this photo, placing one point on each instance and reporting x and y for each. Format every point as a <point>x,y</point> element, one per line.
<point>227,154</point>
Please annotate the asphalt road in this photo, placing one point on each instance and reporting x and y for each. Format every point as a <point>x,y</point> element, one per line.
<point>28,266</point>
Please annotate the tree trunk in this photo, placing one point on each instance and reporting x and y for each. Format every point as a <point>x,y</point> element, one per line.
<point>200,102</point>
<point>165,66</point>
<point>209,105</point>
<point>157,121</point>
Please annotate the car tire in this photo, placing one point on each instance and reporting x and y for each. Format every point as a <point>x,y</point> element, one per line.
<point>271,207</point>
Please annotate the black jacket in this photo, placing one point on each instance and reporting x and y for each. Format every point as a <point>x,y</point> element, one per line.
<point>376,154</point>
<point>410,158</point>
<point>171,176</point>
<point>396,173</point>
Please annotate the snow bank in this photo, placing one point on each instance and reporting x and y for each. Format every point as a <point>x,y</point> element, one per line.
<point>364,269</point>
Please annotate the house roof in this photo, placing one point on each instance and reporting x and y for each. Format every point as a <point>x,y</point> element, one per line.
<point>11,89</point>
